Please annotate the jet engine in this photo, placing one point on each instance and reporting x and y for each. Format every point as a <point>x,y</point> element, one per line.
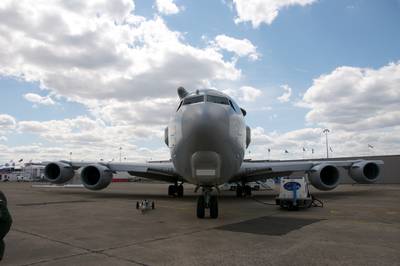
<point>324,176</point>
<point>364,172</point>
<point>96,176</point>
<point>58,172</point>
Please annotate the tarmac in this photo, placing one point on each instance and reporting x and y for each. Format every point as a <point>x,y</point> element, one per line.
<point>358,225</point>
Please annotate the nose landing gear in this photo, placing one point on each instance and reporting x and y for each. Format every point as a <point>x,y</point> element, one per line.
<point>207,201</point>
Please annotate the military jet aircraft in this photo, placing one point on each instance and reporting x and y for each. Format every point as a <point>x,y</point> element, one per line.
<point>207,137</point>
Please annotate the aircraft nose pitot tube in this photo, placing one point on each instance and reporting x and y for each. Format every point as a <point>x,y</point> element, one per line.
<point>96,176</point>
<point>364,172</point>
<point>58,172</point>
<point>324,176</point>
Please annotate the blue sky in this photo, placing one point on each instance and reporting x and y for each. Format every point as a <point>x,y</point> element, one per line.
<point>303,44</point>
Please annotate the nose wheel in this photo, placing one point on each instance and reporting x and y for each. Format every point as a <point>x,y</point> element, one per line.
<point>207,201</point>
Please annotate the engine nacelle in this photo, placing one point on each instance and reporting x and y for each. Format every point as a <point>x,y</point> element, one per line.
<point>96,176</point>
<point>364,172</point>
<point>58,172</point>
<point>324,176</point>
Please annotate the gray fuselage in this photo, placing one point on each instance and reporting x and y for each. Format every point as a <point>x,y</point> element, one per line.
<point>207,138</point>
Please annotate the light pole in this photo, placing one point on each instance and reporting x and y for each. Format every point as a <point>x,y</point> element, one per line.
<point>70,156</point>
<point>326,131</point>
<point>120,154</point>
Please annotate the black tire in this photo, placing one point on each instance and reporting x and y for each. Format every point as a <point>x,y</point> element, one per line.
<point>213,207</point>
<point>153,205</point>
<point>171,190</point>
<point>239,191</point>
<point>247,190</point>
<point>201,206</point>
<point>137,205</point>
<point>180,191</point>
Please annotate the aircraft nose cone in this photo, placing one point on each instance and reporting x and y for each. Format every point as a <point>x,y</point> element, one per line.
<point>206,125</point>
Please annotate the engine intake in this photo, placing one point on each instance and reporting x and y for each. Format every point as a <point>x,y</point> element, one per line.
<point>324,176</point>
<point>364,172</point>
<point>96,176</point>
<point>58,172</point>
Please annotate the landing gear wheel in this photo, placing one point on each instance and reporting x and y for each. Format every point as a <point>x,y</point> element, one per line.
<point>247,190</point>
<point>213,204</point>
<point>3,197</point>
<point>153,205</point>
<point>172,190</point>
<point>239,191</point>
<point>180,191</point>
<point>137,205</point>
<point>201,205</point>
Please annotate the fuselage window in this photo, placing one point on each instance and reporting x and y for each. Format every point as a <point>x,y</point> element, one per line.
<point>195,99</point>
<point>217,99</point>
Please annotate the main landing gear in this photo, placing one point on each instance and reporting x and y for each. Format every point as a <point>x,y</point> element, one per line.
<point>175,190</point>
<point>243,191</point>
<point>207,201</point>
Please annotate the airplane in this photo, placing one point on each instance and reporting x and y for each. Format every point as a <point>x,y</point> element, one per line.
<point>207,138</point>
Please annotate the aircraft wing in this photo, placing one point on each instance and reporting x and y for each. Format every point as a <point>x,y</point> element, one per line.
<point>163,171</point>
<point>363,171</point>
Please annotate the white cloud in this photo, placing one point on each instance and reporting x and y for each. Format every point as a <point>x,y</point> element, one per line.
<point>241,48</point>
<point>122,67</point>
<point>287,92</point>
<point>263,11</point>
<point>353,99</point>
<point>249,94</point>
<point>88,139</point>
<point>102,51</point>
<point>167,7</point>
<point>37,99</point>
<point>343,143</point>
<point>244,93</point>
<point>148,112</point>
<point>359,105</point>
<point>7,122</point>
<point>3,138</point>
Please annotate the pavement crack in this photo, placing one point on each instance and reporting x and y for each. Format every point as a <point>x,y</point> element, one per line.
<point>155,239</point>
<point>50,239</point>
<point>55,259</point>
<point>86,250</point>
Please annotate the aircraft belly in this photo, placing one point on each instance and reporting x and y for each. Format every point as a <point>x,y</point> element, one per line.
<point>207,166</point>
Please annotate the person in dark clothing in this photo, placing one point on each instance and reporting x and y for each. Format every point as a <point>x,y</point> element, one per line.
<point>5,222</point>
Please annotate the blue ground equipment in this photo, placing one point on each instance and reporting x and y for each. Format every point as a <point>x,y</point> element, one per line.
<point>294,193</point>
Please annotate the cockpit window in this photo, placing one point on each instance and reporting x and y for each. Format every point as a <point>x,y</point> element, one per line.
<point>217,99</point>
<point>233,107</point>
<point>180,104</point>
<point>195,99</point>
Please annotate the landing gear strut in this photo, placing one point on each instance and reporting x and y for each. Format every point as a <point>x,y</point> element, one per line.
<point>244,190</point>
<point>176,190</point>
<point>207,201</point>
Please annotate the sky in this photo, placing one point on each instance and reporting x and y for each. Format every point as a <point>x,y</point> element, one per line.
<point>80,79</point>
